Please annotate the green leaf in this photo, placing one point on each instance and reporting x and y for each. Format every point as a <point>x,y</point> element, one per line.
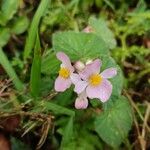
<point>20,25</point>
<point>68,97</point>
<point>110,4</point>
<point>68,133</point>
<point>8,9</point>
<point>35,79</point>
<point>50,64</point>
<point>34,27</point>
<point>101,29</point>
<point>3,19</point>
<point>10,71</point>
<point>83,140</point>
<point>114,124</point>
<point>46,86</point>
<point>4,36</point>
<point>57,109</point>
<point>79,45</point>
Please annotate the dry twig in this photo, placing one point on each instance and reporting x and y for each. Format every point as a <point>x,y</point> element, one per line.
<point>141,136</point>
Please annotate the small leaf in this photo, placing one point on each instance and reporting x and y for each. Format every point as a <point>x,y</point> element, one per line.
<point>4,36</point>
<point>79,45</point>
<point>114,124</point>
<point>100,29</point>
<point>21,25</point>
<point>8,9</point>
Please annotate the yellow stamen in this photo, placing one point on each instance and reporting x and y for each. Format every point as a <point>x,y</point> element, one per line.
<point>95,79</point>
<point>64,72</point>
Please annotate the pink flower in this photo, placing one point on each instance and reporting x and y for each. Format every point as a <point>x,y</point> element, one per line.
<point>94,83</point>
<point>63,81</point>
<point>81,101</point>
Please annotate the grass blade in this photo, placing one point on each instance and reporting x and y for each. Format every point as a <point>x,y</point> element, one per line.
<point>58,109</point>
<point>34,28</point>
<point>35,77</point>
<point>10,71</point>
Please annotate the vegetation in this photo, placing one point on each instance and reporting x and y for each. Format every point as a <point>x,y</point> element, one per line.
<point>33,114</point>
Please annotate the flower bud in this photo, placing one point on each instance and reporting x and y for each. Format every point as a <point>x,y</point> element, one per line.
<point>79,66</point>
<point>88,29</point>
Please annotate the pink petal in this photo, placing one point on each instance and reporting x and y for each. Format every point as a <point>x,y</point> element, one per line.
<point>63,57</point>
<point>93,91</point>
<point>81,101</point>
<point>65,60</point>
<point>62,84</point>
<point>75,78</point>
<point>109,73</point>
<point>79,84</point>
<point>102,92</point>
<point>90,69</point>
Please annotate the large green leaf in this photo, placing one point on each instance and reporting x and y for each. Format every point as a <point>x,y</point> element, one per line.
<point>79,45</point>
<point>101,29</point>
<point>50,64</point>
<point>114,124</point>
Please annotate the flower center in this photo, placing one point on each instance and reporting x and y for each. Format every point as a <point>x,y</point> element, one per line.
<point>95,79</point>
<point>64,72</point>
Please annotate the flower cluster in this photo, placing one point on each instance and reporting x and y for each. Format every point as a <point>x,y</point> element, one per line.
<point>87,79</point>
